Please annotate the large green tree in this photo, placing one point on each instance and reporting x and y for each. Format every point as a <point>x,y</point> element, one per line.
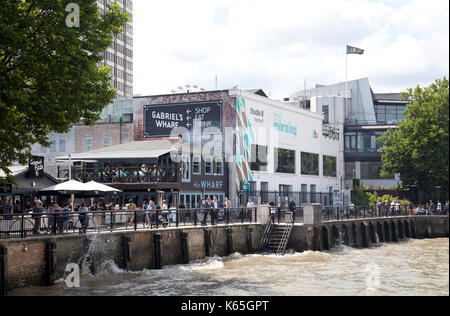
<point>49,73</point>
<point>419,148</point>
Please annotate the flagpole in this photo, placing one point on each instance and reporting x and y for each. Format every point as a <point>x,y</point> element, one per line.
<point>346,83</point>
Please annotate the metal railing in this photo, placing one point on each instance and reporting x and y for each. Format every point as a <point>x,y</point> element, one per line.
<point>63,223</point>
<point>125,175</point>
<point>363,212</point>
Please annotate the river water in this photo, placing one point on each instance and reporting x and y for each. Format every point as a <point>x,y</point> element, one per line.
<point>412,268</point>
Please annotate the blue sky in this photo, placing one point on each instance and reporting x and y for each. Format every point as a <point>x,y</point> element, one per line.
<point>277,45</point>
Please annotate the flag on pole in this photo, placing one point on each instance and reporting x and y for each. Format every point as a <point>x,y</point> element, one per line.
<point>353,50</point>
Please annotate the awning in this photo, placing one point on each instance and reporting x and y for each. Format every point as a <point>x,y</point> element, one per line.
<point>129,151</point>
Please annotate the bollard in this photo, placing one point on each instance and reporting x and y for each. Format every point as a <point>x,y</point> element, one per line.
<point>207,234</point>
<point>229,241</point>
<point>249,241</point>
<point>126,252</point>
<point>50,262</point>
<point>157,252</point>
<point>184,238</point>
<point>3,271</point>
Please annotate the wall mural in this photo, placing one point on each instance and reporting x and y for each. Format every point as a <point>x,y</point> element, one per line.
<point>245,137</point>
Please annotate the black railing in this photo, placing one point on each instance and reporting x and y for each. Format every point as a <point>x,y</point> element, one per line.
<point>300,198</point>
<point>365,212</point>
<point>125,175</point>
<point>63,223</point>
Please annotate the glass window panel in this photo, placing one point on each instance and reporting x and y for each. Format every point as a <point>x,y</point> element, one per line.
<point>310,164</point>
<point>285,160</point>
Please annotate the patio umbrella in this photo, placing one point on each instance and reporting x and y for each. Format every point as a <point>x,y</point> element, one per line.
<point>69,187</point>
<point>95,186</point>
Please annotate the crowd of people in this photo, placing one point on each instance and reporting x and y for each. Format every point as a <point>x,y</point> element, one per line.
<point>430,208</point>
<point>149,214</point>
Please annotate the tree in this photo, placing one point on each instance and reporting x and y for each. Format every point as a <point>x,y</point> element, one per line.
<point>49,70</point>
<point>419,148</point>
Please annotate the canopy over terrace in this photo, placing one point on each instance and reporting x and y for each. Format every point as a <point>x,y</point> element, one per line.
<point>141,151</point>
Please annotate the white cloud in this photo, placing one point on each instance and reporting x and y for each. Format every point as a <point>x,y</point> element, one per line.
<point>275,45</point>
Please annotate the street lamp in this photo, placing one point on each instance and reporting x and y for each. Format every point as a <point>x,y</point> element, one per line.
<point>121,123</point>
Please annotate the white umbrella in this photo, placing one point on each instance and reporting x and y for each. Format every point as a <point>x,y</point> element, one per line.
<point>69,187</point>
<point>95,186</point>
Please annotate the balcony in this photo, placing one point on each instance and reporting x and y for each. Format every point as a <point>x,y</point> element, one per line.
<point>154,174</point>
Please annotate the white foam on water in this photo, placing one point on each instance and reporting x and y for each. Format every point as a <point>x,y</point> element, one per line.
<point>108,267</point>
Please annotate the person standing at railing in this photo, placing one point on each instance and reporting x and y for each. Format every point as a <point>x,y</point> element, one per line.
<point>37,212</point>
<point>379,205</point>
<point>397,208</point>
<point>386,208</point>
<point>439,208</point>
<point>208,209</point>
<point>83,218</point>
<point>64,221</point>
<point>9,209</point>
<point>131,208</point>
<point>152,214</point>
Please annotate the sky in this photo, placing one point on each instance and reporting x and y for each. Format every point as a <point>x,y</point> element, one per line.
<point>278,45</point>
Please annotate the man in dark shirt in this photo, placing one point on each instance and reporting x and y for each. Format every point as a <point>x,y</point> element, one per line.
<point>37,214</point>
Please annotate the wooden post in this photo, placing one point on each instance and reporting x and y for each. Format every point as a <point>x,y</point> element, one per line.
<point>249,241</point>
<point>50,262</point>
<point>207,234</point>
<point>184,238</point>
<point>126,252</point>
<point>3,271</point>
<point>157,252</point>
<point>229,241</point>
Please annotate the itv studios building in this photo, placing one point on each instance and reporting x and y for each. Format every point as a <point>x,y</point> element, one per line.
<point>246,146</point>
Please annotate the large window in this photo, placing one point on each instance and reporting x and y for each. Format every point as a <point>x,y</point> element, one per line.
<point>362,142</point>
<point>310,164</point>
<point>259,158</point>
<point>284,160</point>
<point>329,166</point>
<point>389,114</point>
<point>326,114</point>
<point>372,171</point>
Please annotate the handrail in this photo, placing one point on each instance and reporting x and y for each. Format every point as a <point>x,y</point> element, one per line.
<point>34,224</point>
<point>266,235</point>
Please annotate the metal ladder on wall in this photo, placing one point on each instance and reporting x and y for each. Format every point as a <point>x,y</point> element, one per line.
<point>267,234</point>
<point>285,239</point>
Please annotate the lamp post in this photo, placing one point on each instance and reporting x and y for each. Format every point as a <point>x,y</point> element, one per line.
<point>121,123</point>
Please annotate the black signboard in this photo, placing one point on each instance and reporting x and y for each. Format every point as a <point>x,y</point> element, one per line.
<point>36,167</point>
<point>161,119</point>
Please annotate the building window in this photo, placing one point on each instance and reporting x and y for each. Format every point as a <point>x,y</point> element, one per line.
<point>106,141</point>
<point>329,166</point>
<point>350,141</point>
<point>197,165</point>
<point>218,166</point>
<point>87,143</point>
<point>310,164</point>
<point>389,113</point>
<point>53,146</point>
<point>326,114</point>
<point>186,169</point>
<point>62,146</point>
<point>259,158</point>
<point>285,160</point>
<point>209,166</point>
<point>372,171</point>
